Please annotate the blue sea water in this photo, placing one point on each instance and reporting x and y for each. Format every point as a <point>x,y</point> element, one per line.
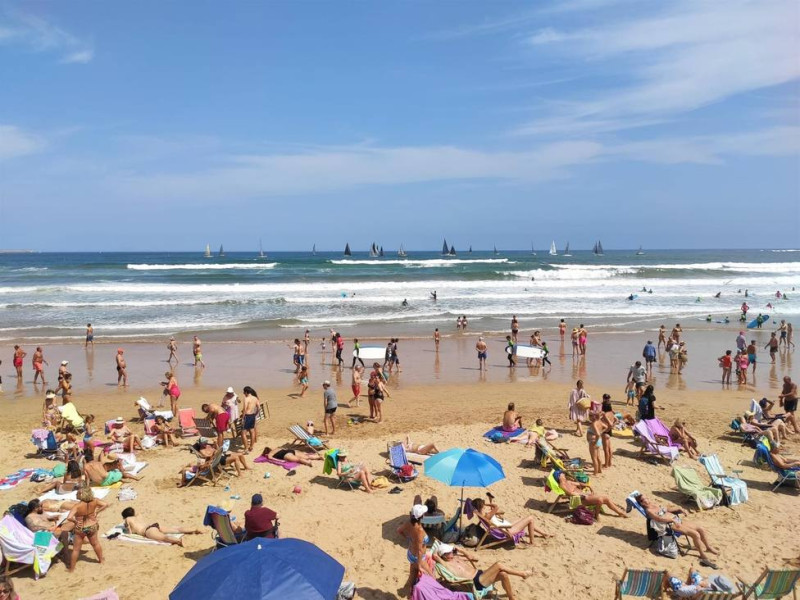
<point>149,295</point>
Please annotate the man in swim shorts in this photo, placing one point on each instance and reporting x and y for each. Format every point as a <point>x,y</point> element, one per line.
<point>460,563</point>
<point>482,353</point>
<point>221,420</point>
<point>198,352</point>
<point>788,400</point>
<point>250,411</point>
<point>330,404</point>
<point>89,336</point>
<point>38,365</point>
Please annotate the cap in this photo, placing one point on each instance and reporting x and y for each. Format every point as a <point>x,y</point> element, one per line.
<point>444,549</point>
<point>50,395</point>
<point>256,499</point>
<point>326,382</point>
<point>109,458</point>
<point>64,362</point>
<point>230,391</point>
<point>418,510</point>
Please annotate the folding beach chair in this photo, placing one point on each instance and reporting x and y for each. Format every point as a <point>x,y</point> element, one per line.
<point>652,533</point>
<point>661,433</point>
<point>186,421</point>
<point>329,467</point>
<point>690,485</point>
<point>455,581</point>
<point>398,462</point>
<point>551,485</point>
<point>712,595</point>
<point>559,457</point>
<point>220,521</point>
<point>147,411</point>
<point>772,584</point>
<point>640,584</point>
<point>651,446</point>
<point>302,437</point>
<point>495,536</point>
<point>46,444</point>
<point>205,427</point>
<point>21,548</point>
<point>763,456</point>
<point>734,488</point>
<point>209,471</point>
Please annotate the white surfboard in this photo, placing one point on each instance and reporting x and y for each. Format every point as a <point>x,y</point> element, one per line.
<point>528,351</point>
<point>371,352</point>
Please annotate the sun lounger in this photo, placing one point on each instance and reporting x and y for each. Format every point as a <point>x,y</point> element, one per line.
<point>147,411</point>
<point>186,422</point>
<point>453,580</point>
<point>640,584</point>
<point>734,488</point>
<point>689,484</point>
<point>397,462</point>
<point>651,447</point>
<point>772,584</point>
<point>302,437</point>
<point>784,475</point>
<point>661,433</point>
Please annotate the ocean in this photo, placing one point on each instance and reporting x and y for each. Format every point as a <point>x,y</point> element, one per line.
<point>146,296</point>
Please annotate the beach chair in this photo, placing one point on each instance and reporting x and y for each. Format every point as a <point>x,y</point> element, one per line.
<point>329,467</point>
<point>763,456</point>
<point>205,428</point>
<point>149,423</point>
<point>209,471</point>
<point>223,533</point>
<point>439,526</point>
<point>640,584</point>
<point>734,488</point>
<point>46,444</point>
<point>551,485</point>
<point>21,548</point>
<point>712,595</point>
<point>397,462</point>
<point>547,454</point>
<point>661,433</point>
<point>302,437</point>
<point>651,447</point>
<point>689,484</point>
<point>147,411</point>
<point>652,533</point>
<point>443,573</point>
<point>495,536</point>
<point>186,421</point>
<point>772,584</point>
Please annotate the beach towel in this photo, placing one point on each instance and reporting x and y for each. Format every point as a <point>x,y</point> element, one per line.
<point>288,465</point>
<point>689,483</point>
<point>497,433</point>
<point>99,493</point>
<point>329,465</point>
<point>109,594</point>
<point>133,538</point>
<point>45,547</point>
<point>427,588</point>
<point>19,544</point>
<point>12,480</point>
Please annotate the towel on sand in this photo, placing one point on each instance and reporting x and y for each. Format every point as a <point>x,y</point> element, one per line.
<point>288,465</point>
<point>137,539</point>
<point>492,433</point>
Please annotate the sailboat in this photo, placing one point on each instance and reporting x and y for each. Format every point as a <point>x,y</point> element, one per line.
<point>566,250</point>
<point>347,250</point>
<point>598,248</point>
<point>533,252</point>
<point>207,253</point>
<point>261,250</point>
<point>640,252</point>
<point>495,251</point>
<point>221,252</point>
<point>381,252</point>
<point>452,251</point>
<point>373,251</point>
<point>314,250</point>
<point>470,249</point>
<point>553,248</point>
<point>445,249</point>
<point>402,253</point>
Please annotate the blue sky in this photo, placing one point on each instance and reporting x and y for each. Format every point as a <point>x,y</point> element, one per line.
<point>169,125</point>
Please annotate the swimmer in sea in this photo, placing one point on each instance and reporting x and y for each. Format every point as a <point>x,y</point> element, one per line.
<point>405,302</point>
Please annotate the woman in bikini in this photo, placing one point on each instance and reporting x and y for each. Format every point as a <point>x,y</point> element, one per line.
<point>594,435</point>
<point>418,541</point>
<point>491,513</point>
<point>164,433</point>
<point>84,516</point>
<point>289,455</point>
<point>426,449</point>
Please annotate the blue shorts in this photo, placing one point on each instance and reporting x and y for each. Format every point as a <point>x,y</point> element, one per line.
<point>249,422</point>
<point>752,358</point>
<point>482,355</point>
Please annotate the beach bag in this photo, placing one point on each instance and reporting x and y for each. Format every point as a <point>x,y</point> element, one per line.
<point>667,546</point>
<point>471,535</point>
<point>582,516</point>
<point>584,403</point>
<point>380,482</point>
<point>148,442</point>
<point>496,437</point>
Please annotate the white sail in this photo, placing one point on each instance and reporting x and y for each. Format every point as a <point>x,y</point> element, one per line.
<point>553,248</point>
<point>207,253</point>
<point>566,250</point>
<point>261,250</point>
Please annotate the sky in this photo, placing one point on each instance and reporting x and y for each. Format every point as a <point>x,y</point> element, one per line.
<point>168,125</point>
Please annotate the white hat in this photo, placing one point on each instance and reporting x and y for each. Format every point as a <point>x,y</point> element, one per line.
<point>444,549</point>
<point>50,395</point>
<point>326,382</point>
<point>119,420</point>
<point>230,391</point>
<point>64,362</point>
<point>418,510</point>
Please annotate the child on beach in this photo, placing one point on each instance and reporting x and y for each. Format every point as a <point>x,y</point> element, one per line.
<point>322,345</point>
<point>303,377</point>
<point>630,393</point>
<point>358,371</point>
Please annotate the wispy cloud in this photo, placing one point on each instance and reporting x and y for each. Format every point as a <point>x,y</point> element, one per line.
<point>40,35</point>
<point>15,142</point>
<point>688,56</point>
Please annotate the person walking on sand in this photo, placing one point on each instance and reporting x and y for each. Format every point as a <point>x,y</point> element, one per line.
<point>355,384</point>
<point>122,369</point>
<point>481,347</point>
<point>329,406</point>
<point>172,346</point>
<point>514,328</point>
<point>562,329</point>
<point>154,531</point>
<point>357,354</point>
<point>197,351</point>
<point>302,378</point>
<point>173,390</point>
<point>38,365</point>
<point>772,344</point>
<point>649,354</point>
<point>782,330</point>
<point>577,412</point>
<point>662,337</point>
<point>510,349</point>
<point>339,348</point>
<point>436,338</point>
<point>575,347</point>
<point>250,412</point>
<point>89,336</point>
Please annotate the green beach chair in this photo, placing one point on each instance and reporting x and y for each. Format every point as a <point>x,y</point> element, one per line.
<point>772,585</point>
<point>688,482</point>
<point>640,584</point>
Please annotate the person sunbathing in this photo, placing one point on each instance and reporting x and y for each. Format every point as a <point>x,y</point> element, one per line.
<point>682,436</point>
<point>511,420</point>
<point>121,434</point>
<point>426,449</point>
<point>107,471</point>
<point>73,477</point>
<point>775,431</point>
<point>207,448</point>
<point>58,505</point>
<point>353,471</point>
<point>671,516</point>
<point>695,585</point>
<point>164,433</point>
<point>461,563</point>
<point>576,488</point>
<point>492,514</point>
<point>291,455</point>
<point>154,531</point>
<point>781,461</point>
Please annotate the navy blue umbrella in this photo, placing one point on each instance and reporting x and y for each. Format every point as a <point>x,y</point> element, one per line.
<point>263,569</point>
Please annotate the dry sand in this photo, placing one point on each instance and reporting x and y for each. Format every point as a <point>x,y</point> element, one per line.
<point>359,529</point>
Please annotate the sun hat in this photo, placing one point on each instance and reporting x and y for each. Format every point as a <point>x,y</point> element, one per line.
<point>109,458</point>
<point>326,382</point>
<point>64,362</point>
<point>342,452</point>
<point>50,395</point>
<point>444,549</point>
<point>119,421</point>
<point>230,391</point>
<point>418,510</point>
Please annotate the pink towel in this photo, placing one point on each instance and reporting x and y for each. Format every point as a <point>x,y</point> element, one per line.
<point>274,461</point>
<point>427,588</point>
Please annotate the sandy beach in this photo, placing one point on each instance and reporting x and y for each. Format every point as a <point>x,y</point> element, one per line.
<point>428,404</point>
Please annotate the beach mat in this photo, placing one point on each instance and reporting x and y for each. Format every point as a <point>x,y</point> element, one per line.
<point>506,434</point>
<point>288,465</point>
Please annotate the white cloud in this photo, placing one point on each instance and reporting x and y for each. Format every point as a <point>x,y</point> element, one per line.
<point>42,36</point>
<point>15,142</point>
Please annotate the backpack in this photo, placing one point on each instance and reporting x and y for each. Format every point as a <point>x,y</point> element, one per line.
<point>667,546</point>
<point>582,516</point>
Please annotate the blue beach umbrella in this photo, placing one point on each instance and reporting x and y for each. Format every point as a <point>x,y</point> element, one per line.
<point>263,569</point>
<point>465,468</point>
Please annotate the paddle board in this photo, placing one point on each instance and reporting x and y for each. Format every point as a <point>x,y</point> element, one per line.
<point>754,323</point>
<point>527,351</point>
<point>371,352</point>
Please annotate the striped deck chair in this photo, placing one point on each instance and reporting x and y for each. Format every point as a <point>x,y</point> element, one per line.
<point>651,446</point>
<point>733,487</point>
<point>711,595</point>
<point>640,584</point>
<point>220,521</point>
<point>302,437</point>
<point>205,428</point>
<point>772,584</point>
<point>763,456</point>
<point>443,573</point>
<point>398,460</point>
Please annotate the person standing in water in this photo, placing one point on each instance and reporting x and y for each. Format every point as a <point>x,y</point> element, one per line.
<point>514,328</point>
<point>89,335</point>
<point>38,361</point>
<point>482,353</point>
<point>122,369</point>
<point>562,329</point>
<point>436,338</point>
<point>198,352</point>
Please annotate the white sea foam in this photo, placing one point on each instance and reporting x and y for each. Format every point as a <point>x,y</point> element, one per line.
<point>203,267</point>
<point>432,262</point>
